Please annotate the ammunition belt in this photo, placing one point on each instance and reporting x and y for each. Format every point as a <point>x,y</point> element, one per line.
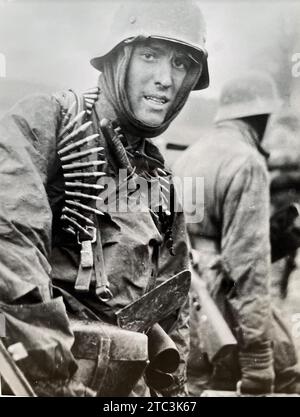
<point>81,159</point>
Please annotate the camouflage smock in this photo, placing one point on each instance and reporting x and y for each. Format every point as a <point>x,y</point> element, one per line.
<point>35,251</point>
<point>233,235</point>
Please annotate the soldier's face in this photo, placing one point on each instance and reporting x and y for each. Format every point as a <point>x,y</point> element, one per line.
<point>156,72</point>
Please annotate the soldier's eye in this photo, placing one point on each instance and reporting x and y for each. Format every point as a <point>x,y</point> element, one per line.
<point>148,55</point>
<point>181,62</point>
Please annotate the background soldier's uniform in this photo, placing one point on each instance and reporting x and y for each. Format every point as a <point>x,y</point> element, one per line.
<point>282,143</point>
<point>233,240</point>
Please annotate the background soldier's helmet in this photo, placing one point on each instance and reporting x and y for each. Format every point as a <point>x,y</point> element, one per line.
<point>179,22</point>
<point>252,94</point>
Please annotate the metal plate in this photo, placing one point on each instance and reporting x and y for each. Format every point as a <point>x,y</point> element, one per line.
<point>155,305</point>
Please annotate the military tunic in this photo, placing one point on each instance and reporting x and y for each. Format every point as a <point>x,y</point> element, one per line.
<point>233,236</point>
<point>40,259</point>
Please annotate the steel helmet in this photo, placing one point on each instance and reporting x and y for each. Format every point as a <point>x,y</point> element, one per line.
<point>180,22</point>
<point>248,95</point>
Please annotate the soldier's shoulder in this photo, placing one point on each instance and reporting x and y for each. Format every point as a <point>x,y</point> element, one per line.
<point>74,100</point>
<point>36,109</point>
<point>35,100</point>
<point>65,97</point>
<point>245,160</point>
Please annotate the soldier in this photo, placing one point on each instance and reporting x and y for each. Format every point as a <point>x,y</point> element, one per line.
<point>59,157</point>
<point>233,237</point>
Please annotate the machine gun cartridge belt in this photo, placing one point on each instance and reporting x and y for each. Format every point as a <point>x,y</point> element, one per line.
<point>81,159</point>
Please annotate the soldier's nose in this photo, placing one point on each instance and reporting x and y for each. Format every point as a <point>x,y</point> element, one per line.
<point>163,74</point>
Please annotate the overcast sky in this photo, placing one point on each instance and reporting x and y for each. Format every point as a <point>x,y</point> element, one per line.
<point>51,42</point>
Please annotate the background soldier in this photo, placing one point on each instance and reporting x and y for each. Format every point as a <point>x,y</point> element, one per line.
<point>233,238</point>
<point>57,236</point>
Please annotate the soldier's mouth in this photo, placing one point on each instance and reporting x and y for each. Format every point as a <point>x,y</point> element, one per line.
<point>157,99</point>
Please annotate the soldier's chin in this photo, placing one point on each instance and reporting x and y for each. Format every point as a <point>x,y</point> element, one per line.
<point>152,121</point>
<point>155,124</point>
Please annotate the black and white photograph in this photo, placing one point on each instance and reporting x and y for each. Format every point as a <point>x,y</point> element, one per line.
<point>150,201</point>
